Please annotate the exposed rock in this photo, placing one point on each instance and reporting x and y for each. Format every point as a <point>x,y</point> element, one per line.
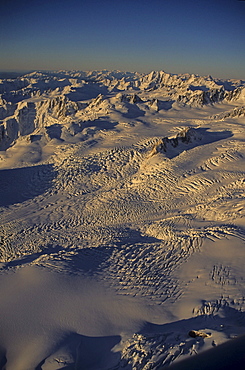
<point>129,98</point>
<point>198,334</point>
<point>154,104</point>
<point>29,115</point>
<point>200,97</point>
<point>6,109</point>
<point>26,116</point>
<point>235,94</point>
<point>187,135</point>
<point>234,113</point>
<point>42,99</point>
<point>11,129</point>
<point>95,102</point>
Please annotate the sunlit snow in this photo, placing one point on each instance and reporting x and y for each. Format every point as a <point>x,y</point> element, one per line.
<point>122,218</point>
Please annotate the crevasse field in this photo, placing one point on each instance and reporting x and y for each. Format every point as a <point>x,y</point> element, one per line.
<point>122,202</point>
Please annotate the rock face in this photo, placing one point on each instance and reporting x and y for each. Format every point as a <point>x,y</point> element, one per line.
<point>198,334</point>
<point>25,117</point>
<point>187,135</point>
<point>39,100</point>
<point>30,115</point>
<point>129,98</point>
<point>234,113</point>
<point>200,97</point>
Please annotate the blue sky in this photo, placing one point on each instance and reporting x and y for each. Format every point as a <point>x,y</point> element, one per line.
<point>198,36</point>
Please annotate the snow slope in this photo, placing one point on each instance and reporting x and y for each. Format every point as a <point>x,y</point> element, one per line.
<point>122,218</point>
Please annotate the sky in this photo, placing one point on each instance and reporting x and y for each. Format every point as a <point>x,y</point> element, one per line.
<point>193,36</point>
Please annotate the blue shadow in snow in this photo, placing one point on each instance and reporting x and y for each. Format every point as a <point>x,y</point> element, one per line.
<point>89,91</point>
<point>20,184</point>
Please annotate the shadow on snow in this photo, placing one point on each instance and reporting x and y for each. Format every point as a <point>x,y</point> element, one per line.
<point>20,184</point>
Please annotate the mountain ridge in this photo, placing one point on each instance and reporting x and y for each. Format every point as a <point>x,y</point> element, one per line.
<point>39,99</point>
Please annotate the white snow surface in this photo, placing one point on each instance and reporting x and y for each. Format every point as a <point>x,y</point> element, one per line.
<point>122,202</point>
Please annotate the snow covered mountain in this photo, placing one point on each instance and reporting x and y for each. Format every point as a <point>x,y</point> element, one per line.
<point>40,100</point>
<point>122,204</point>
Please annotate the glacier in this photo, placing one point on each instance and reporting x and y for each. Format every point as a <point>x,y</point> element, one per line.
<point>122,203</point>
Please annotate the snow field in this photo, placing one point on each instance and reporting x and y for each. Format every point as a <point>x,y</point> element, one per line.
<point>122,220</point>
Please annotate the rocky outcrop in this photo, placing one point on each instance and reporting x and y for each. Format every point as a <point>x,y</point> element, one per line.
<point>42,99</point>
<point>234,113</point>
<point>57,107</point>
<point>26,118</point>
<point>129,98</point>
<point>238,93</point>
<point>199,97</point>
<point>30,114</point>
<point>187,135</point>
<point>9,132</point>
<point>6,109</point>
